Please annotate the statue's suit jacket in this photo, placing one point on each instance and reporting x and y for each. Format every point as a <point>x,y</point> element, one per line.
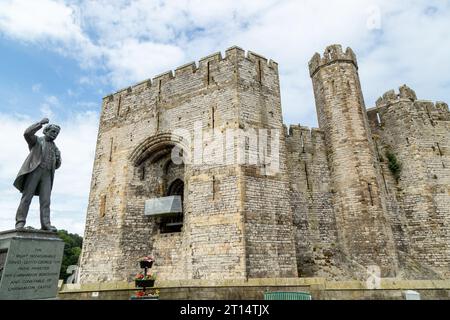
<point>35,145</point>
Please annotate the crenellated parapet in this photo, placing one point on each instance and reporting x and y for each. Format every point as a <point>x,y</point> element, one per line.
<point>304,139</point>
<point>201,69</point>
<point>332,54</point>
<point>169,90</point>
<point>391,97</point>
<point>388,106</point>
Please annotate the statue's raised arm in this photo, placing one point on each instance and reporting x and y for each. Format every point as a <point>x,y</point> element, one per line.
<point>30,132</point>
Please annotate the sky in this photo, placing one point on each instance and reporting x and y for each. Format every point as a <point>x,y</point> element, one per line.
<point>59,58</point>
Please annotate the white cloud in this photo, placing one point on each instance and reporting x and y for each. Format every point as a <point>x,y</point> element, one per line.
<point>46,107</point>
<point>52,100</point>
<point>53,23</point>
<point>134,60</point>
<point>38,20</point>
<point>36,88</point>
<point>414,50</point>
<point>72,181</point>
<point>46,111</point>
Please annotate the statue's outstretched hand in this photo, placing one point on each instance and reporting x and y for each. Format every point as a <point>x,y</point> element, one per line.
<point>44,121</point>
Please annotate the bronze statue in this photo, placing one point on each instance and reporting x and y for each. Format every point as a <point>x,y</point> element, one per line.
<point>37,172</point>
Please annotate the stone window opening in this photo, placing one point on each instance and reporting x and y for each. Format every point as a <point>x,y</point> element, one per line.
<point>369,187</point>
<point>102,211</point>
<point>111,145</point>
<point>378,119</point>
<point>173,223</point>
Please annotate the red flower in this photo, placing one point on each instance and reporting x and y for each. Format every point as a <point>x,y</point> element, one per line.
<point>140,294</point>
<point>139,276</point>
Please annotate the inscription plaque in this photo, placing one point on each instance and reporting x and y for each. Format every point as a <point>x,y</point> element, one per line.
<point>2,261</point>
<point>31,269</point>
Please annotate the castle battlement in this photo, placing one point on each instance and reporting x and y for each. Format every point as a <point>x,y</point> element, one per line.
<point>332,54</point>
<point>200,69</point>
<point>390,97</point>
<point>435,111</point>
<point>304,139</point>
<point>303,130</point>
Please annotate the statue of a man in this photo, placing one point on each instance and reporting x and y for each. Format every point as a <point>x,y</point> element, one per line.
<point>37,172</point>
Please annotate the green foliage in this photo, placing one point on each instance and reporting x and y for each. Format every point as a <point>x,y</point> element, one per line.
<point>394,165</point>
<point>72,250</point>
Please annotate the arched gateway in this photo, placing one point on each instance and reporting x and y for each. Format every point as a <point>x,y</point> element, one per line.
<point>159,163</point>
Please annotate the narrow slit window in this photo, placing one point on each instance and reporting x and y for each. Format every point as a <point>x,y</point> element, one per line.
<point>143,173</point>
<point>102,208</point>
<point>259,72</point>
<point>303,144</point>
<point>119,105</point>
<point>208,76</point>
<point>111,149</point>
<point>369,186</point>
<point>159,89</point>
<point>307,177</point>
<point>214,186</point>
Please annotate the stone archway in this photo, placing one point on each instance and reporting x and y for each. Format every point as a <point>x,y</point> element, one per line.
<point>153,146</point>
<point>162,179</point>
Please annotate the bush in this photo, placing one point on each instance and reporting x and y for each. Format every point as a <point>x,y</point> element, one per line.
<point>72,250</point>
<point>394,166</point>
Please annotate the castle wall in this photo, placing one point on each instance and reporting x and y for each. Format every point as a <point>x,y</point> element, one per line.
<point>311,197</point>
<point>417,132</point>
<point>269,232</point>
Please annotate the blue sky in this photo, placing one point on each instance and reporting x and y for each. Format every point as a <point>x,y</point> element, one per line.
<point>58,58</point>
<point>30,74</point>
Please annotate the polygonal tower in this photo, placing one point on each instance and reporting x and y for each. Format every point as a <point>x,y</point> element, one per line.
<point>364,233</point>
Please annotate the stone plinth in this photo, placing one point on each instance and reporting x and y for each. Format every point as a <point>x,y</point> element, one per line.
<point>30,261</point>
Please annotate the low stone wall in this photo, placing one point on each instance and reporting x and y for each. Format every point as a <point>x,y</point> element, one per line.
<point>253,289</point>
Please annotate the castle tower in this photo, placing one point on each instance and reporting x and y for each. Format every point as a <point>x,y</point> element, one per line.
<point>416,133</point>
<point>233,218</point>
<point>362,221</point>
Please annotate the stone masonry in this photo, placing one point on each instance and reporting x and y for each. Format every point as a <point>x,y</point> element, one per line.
<point>369,190</point>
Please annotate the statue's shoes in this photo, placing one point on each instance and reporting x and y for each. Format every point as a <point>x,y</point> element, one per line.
<point>20,225</point>
<point>49,228</point>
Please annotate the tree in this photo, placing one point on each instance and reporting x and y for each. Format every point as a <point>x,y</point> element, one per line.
<point>72,250</point>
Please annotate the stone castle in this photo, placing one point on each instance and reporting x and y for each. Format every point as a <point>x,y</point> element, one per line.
<point>369,191</point>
